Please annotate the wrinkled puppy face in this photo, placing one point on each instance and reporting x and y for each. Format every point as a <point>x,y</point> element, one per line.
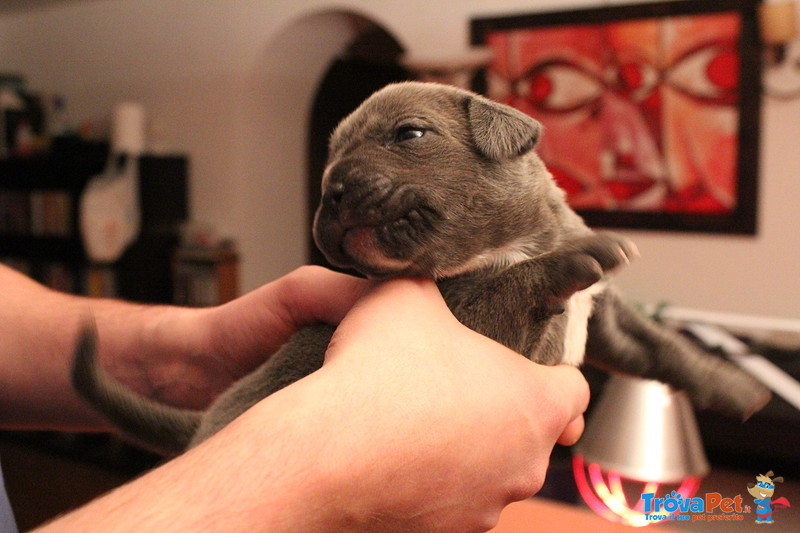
<point>422,178</point>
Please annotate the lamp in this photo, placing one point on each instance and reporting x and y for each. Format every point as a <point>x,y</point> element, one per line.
<point>455,69</point>
<point>641,438</point>
<point>777,21</point>
<point>778,27</point>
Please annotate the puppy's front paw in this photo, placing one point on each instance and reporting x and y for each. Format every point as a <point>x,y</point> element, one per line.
<point>579,264</point>
<point>610,250</point>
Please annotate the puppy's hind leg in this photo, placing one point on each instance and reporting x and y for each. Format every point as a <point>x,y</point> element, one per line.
<point>620,338</point>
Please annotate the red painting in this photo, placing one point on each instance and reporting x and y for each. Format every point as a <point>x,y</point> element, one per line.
<point>642,108</point>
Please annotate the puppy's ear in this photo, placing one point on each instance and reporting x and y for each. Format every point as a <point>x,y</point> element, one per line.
<point>500,131</point>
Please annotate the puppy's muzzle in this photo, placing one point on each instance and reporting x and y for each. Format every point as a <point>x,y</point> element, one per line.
<point>368,221</point>
<point>354,198</point>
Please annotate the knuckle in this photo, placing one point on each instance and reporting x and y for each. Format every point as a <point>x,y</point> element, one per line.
<point>527,485</point>
<point>306,271</point>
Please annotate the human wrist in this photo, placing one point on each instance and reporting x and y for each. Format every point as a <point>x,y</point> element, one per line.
<point>271,470</point>
<point>239,480</point>
<point>158,351</point>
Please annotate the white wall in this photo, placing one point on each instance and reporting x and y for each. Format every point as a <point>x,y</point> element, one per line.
<point>230,82</point>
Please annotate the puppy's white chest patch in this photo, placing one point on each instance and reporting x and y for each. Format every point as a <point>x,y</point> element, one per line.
<point>578,309</point>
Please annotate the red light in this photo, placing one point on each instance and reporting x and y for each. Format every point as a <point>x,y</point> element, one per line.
<point>606,495</point>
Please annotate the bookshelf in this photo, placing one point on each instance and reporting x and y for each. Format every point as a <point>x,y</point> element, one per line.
<point>38,216</point>
<point>39,234</point>
<point>205,276</point>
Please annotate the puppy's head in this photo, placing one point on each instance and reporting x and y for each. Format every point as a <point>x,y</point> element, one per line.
<point>422,179</point>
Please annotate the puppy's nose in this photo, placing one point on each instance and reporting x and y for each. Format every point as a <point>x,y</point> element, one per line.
<point>332,197</point>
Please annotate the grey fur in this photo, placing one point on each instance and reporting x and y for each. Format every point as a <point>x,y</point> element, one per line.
<point>430,180</point>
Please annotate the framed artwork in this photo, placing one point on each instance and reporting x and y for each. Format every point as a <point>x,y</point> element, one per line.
<point>650,111</point>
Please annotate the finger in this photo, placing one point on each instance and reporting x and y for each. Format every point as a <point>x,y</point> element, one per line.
<point>574,387</point>
<point>248,329</point>
<point>308,295</point>
<point>572,432</point>
<point>394,301</point>
<point>572,393</point>
<point>405,292</point>
<point>314,294</point>
<point>398,314</point>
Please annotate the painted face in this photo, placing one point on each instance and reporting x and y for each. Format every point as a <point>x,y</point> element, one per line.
<point>638,115</point>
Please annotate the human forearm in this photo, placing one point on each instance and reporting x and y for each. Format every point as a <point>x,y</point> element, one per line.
<point>435,431</point>
<point>38,328</point>
<point>261,473</point>
<point>179,356</point>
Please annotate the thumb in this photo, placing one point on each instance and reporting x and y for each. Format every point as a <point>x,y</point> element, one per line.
<point>395,310</point>
<point>572,433</point>
<point>573,392</point>
<point>401,297</point>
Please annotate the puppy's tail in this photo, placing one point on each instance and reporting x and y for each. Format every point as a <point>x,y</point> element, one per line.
<point>163,429</point>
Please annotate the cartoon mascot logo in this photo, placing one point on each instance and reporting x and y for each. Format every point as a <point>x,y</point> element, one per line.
<point>762,492</point>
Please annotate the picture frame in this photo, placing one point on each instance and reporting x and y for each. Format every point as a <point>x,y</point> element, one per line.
<point>650,111</point>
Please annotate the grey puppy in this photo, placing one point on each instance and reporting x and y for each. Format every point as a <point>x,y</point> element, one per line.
<point>433,181</point>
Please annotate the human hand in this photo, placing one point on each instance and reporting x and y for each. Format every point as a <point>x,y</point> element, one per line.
<point>414,423</point>
<point>461,425</point>
<point>246,330</point>
<point>186,357</point>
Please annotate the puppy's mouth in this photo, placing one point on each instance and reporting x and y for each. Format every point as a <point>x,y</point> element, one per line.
<point>376,246</point>
<point>360,245</point>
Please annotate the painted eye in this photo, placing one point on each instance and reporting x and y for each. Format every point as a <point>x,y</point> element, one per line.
<point>637,80</point>
<point>560,86</point>
<point>709,73</point>
<point>408,133</point>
